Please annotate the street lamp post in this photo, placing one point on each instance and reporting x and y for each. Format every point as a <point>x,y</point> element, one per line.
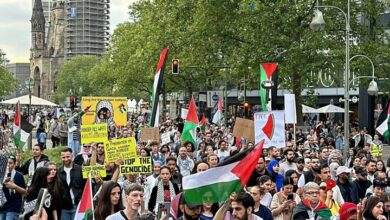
<point>29,83</point>
<point>318,24</point>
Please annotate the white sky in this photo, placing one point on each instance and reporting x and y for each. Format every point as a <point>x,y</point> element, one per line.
<point>15,26</point>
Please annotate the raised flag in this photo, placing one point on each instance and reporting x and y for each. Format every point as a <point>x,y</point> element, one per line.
<point>158,78</point>
<point>216,185</point>
<point>384,127</point>
<point>189,130</point>
<point>85,206</point>
<point>21,128</point>
<point>218,114</point>
<point>266,71</point>
<point>202,123</point>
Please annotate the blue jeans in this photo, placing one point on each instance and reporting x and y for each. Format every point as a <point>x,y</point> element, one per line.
<point>75,146</point>
<point>67,214</point>
<point>9,215</point>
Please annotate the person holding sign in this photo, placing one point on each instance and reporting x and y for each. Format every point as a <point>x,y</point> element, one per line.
<point>164,191</point>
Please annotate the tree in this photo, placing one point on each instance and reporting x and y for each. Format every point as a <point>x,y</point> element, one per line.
<point>8,83</point>
<point>208,36</point>
<point>73,77</point>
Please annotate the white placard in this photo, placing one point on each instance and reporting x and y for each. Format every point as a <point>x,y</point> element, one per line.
<point>184,113</point>
<point>290,112</point>
<point>270,127</point>
<point>165,138</point>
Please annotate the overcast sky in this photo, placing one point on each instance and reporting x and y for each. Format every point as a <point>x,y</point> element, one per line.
<point>15,26</point>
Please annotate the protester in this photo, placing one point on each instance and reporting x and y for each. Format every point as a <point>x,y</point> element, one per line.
<point>14,187</point>
<point>373,209</point>
<point>273,169</point>
<point>72,184</point>
<point>260,210</point>
<point>54,188</point>
<point>109,201</point>
<point>38,160</point>
<point>285,201</point>
<point>242,208</point>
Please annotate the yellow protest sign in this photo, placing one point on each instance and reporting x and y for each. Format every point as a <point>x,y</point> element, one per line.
<point>94,133</point>
<point>137,165</point>
<point>97,170</point>
<point>104,110</point>
<point>120,149</point>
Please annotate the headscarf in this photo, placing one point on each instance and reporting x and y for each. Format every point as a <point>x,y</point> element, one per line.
<point>276,177</point>
<point>85,152</point>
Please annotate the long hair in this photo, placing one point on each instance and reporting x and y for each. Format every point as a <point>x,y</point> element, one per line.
<point>370,204</point>
<point>54,187</point>
<point>39,180</point>
<point>103,206</point>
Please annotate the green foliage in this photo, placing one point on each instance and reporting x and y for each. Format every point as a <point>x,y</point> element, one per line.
<point>74,76</point>
<point>8,83</point>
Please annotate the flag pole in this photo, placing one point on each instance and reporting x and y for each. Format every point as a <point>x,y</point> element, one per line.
<point>90,185</point>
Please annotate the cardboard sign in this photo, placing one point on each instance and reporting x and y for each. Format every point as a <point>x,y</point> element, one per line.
<point>137,165</point>
<point>244,128</point>
<point>270,127</point>
<point>94,133</point>
<point>150,134</point>
<point>120,149</point>
<point>165,138</point>
<point>104,110</point>
<point>97,170</point>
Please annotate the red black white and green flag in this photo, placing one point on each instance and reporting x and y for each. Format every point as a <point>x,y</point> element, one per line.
<point>21,128</point>
<point>216,185</point>
<point>266,72</point>
<point>191,123</point>
<point>85,206</point>
<point>158,78</point>
<point>384,127</point>
<point>202,123</point>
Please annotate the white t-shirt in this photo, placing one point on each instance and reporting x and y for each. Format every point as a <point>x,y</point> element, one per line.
<point>67,171</point>
<point>266,200</point>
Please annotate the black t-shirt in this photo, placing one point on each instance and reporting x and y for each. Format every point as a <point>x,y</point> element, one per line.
<point>167,196</point>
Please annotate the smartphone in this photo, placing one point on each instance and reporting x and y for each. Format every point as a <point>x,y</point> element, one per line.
<point>290,197</point>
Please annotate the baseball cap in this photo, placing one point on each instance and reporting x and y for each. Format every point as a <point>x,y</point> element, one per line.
<point>342,169</point>
<point>347,210</point>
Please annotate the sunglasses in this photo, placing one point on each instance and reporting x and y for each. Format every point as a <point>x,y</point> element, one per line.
<point>87,146</point>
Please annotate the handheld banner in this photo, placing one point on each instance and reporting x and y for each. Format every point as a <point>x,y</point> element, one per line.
<point>270,127</point>
<point>94,133</point>
<point>105,110</point>
<point>137,165</point>
<point>120,149</point>
<point>97,170</point>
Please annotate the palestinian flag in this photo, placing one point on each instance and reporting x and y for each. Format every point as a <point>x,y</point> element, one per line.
<point>85,206</point>
<point>21,128</point>
<point>202,123</point>
<point>216,184</point>
<point>189,130</point>
<point>218,114</point>
<point>158,78</point>
<point>384,127</point>
<point>266,71</point>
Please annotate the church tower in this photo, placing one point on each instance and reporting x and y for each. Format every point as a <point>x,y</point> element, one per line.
<point>38,27</point>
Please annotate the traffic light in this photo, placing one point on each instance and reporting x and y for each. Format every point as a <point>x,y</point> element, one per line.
<point>247,107</point>
<point>175,66</point>
<point>72,101</point>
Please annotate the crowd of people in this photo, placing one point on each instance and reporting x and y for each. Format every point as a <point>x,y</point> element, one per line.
<point>308,178</point>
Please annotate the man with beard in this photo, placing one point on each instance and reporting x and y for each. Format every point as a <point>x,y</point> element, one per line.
<point>258,172</point>
<point>134,196</point>
<point>242,206</point>
<point>300,166</point>
<point>342,192</point>
<point>176,177</point>
<point>371,168</point>
<point>209,141</point>
<point>310,175</point>
<point>360,185</point>
<point>274,153</point>
<point>289,164</point>
<point>190,211</point>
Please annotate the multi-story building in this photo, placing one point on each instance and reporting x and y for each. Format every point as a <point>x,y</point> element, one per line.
<point>21,72</point>
<point>87,27</point>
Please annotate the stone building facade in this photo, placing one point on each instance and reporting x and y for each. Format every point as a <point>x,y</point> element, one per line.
<point>46,53</point>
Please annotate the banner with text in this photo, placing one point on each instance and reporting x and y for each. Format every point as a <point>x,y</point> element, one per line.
<point>104,110</point>
<point>137,165</point>
<point>97,170</point>
<point>120,149</point>
<point>270,127</point>
<point>94,133</point>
